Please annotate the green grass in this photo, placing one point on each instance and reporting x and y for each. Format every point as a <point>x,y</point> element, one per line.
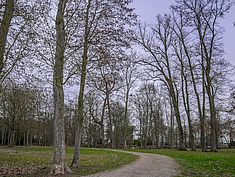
<point>201,164</point>
<point>36,161</point>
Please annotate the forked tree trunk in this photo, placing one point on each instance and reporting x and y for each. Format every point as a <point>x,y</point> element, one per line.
<point>59,159</point>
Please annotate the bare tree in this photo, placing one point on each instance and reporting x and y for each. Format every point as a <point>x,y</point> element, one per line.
<point>183,35</point>
<point>149,108</point>
<point>204,17</point>
<point>99,34</point>
<point>179,52</point>
<point>18,103</point>
<point>158,43</point>
<point>129,78</point>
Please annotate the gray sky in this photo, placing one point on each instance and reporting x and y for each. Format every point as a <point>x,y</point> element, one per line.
<point>148,9</point>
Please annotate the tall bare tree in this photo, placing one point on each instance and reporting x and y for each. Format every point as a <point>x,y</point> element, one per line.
<point>204,17</point>
<point>129,78</point>
<point>158,43</point>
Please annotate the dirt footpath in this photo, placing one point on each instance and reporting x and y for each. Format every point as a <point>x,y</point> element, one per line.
<point>148,165</point>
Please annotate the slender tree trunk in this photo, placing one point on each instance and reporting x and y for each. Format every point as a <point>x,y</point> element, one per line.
<point>172,126</point>
<point>230,135</point>
<point>203,113</point>
<point>8,137</point>
<point>206,55</point>
<point>200,111</point>
<point>11,140</point>
<point>177,115</point>
<point>207,80</point>
<point>126,118</point>
<point>209,90</point>
<point>213,120</point>
<point>141,137</point>
<point>24,139</point>
<point>110,121</point>
<point>185,95</point>
<point>172,129</point>
<point>3,136</point>
<point>79,117</point>
<point>156,126</point>
<point>59,159</point>
<point>31,140</point>
<point>4,28</point>
<point>27,138</point>
<point>102,124</point>
<point>145,126</point>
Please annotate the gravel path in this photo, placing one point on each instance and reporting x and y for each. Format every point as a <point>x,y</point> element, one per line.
<point>147,165</point>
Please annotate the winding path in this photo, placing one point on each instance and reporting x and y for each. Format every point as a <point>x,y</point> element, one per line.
<point>147,165</point>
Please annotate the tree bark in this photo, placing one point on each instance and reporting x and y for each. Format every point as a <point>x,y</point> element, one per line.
<point>110,119</point>
<point>185,95</point>
<point>126,117</point>
<point>59,159</point>
<point>79,117</point>
<point>172,126</point>
<point>4,28</point>
<point>102,124</point>
<point>177,115</point>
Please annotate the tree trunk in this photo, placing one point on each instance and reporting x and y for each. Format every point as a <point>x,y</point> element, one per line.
<point>4,28</point>
<point>213,120</point>
<point>76,155</point>
<point>203,113</point>
<point>59,159</point>
<point>24,139</point>
<point>102,124</point>
<point>3,136</point>
<point>27,138</point>
<point>172,126</point>
<point>11,142</point>
<point>156,126</point>
<point>110,121</point>
<point>126,118</point>
<point>79,117</point>
<point>185,95</point>
<point>200,111</point>
<point>177,115</point>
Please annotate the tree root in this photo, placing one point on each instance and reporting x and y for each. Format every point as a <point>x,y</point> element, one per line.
<point>60,169</point>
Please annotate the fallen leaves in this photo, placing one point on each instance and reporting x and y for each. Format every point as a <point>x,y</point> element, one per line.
<point>19,171</point>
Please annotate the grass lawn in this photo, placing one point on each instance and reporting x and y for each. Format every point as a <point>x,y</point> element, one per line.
<point>36,161</point>
<point>201,164</point>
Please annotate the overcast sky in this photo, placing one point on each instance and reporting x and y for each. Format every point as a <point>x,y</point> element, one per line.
<point>148,9</point>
